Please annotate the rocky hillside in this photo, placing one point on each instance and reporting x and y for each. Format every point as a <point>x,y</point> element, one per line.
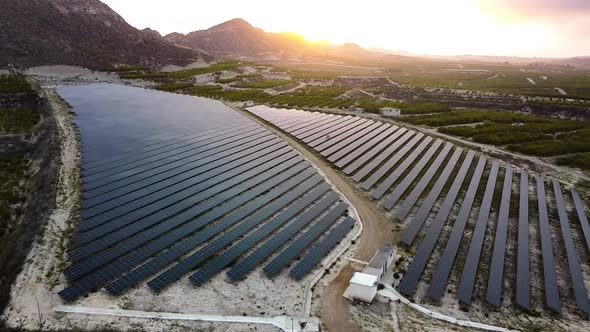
<point>241,38</point>
<point>79,32</point>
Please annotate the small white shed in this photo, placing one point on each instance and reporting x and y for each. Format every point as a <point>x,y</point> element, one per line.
<point>248,103</point>
<point>362,287</point>
<point>390,111</point>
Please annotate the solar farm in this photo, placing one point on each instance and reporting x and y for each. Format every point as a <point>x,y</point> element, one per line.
<point>459,209</point>
<point>193,205</point>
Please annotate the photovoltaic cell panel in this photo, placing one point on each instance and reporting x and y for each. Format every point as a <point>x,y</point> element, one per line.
<point>327,126</point>
<point>212,268</point>
<point>345,146</point>
<point>308,127</point>
<point>418,220</point>
<point>363,145</point>
<point>573,259</point>
<point>496,276</point>
<point>393,198</point>
<point>465,289</point>
<point>440,278</point>
<point>345,136</point>
<point>246,265</point>
<point>582,217</point>
<point>321,134</point>
<point>337,136</point>
<point>275,267</point>
<point>549,275</point>
<point>523,282</point>
<point>374,162</point>
<point>187,264</point>
<point>392,177</point>
<point>319,251</point>
<point>410,280</point>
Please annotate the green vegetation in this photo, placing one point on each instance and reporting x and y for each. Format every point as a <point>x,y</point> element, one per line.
<point>580,161</point>
<point>173,86</point>
<point>18,121</point>
<point>576,142</point>
<point>263,84</point>
<point>13,170</point>
<point>237,78</point>
<point>407,108</point>
<point>184,73</point>
<point>12,84</point>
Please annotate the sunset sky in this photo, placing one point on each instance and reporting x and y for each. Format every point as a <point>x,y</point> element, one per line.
<point>549,28</point>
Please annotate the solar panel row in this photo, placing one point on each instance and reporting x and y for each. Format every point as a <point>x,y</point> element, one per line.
<point>523,283</point>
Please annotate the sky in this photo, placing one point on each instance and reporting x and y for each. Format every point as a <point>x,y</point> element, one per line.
<point>542,28</point>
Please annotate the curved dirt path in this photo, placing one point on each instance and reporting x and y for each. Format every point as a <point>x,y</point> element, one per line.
<point>377,231</point>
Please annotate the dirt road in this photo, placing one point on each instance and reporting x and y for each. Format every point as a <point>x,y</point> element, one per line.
<point>377,231</point>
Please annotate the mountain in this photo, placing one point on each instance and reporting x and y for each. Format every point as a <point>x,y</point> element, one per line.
<point>79,32</point>
<point>238,37</point>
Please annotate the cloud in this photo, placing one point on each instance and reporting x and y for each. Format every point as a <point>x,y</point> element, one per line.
<point>540,8</point>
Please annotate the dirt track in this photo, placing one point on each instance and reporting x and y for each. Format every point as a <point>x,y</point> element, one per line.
<point>377,231</point>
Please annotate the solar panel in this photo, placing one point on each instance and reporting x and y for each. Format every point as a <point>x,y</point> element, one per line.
<point>314,125</point>
<point>316,118</point>
<point>219,263</point>
<point>376,160</point>
<point>177,202</point>
<point>573,259</point>
<point>246,265</point>
<point>136,240</point>
<point>166,151</point>
<point>418,220</point>
<point>582,217</point>
<point>319,251</point>
<point>350,143</point>
<point>336,136</point>
<point>550,277</point>
<point>412,276</point>
<point>151,177</point>
<point>187,264</point>
<point>363,144</point>
<point>127,262</point>
<point>138,169</point>
<point>275,267</point>
<point>390,200</point>
<point>165,196</point>
<point>523,282</point>
<point>112,199</point>
<point>465,289</point>
<point>440,277</point>
<point>496,276</point>
<point>334,124</point>
<point>334,128</point>
<point>344,135</point>
<point>403,166</point>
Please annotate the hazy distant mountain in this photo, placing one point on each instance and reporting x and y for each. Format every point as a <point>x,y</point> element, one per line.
<point>239,37</point>
<point>79,32</point>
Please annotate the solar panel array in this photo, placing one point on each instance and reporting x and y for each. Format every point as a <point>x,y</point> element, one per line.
<point>174,205</point>
<point>422,181</point>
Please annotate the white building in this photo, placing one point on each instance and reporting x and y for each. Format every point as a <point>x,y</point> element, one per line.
<point>390,111</point>
<point>248,103</point>
<point>363,285</point>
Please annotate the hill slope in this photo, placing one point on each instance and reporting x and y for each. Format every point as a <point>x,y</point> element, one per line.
<point>79,32</point>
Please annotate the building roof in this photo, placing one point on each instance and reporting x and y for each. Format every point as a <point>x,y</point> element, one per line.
<point>380,257</point>
<point>364,279</point>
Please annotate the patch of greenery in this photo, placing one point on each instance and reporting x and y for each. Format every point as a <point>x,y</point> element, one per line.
<point>576,142</point>
<point>13,173</point>
<point>18,121</point>
<point>263,84</point>
<point>184,73</point>
<point>12,84</point>
<point>173,86</point>
<point>579,160</point>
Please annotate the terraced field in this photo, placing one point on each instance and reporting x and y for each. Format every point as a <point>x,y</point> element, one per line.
<point>461,212</point>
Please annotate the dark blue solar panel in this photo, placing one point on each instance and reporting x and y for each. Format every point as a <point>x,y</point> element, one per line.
<point>397,193</point>
<point>319,251</point>
<point>345,135</point>
<point>440,278</point>
<point>523,282</point>
<point>376,144</point>
<point>212,268</point>
<point>345,146</point>
<point>573,259</point>
<point>582,217</point>
<point>410,280</point>
<point>337,135</point>
<point>473,255</point>
<point>187,264</point>
<point>335,123</point>
<point>496,276</point>
<point>374,162</point>
<point>246,265</point>
<point>550,277</point>
<point>327,132</point>
<point>308,127</point>
<point>288,254</point>
<point>127,262</point>
<point>418,220</point>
